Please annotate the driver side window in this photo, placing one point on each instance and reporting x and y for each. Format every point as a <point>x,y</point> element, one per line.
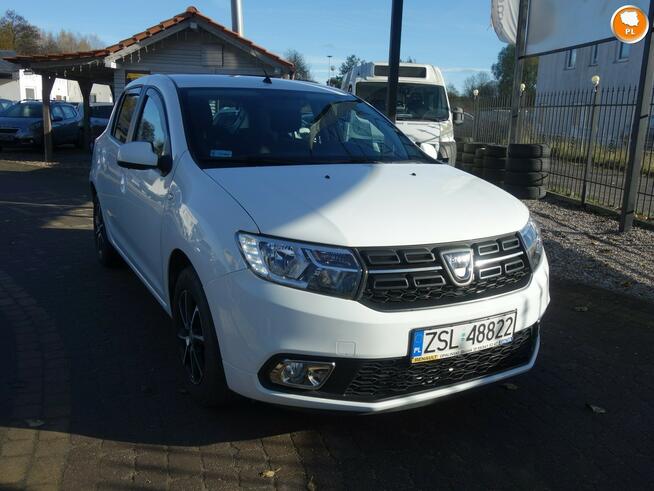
<point>152,124</point>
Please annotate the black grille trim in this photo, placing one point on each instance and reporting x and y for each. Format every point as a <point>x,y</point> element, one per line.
<point>394,278</point>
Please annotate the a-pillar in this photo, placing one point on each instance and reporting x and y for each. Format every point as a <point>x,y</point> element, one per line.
<point>47,81</point>
<point>85,87</point>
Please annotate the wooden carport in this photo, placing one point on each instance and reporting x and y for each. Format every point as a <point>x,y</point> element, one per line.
<point>86,68</point>
<point>189,42</point>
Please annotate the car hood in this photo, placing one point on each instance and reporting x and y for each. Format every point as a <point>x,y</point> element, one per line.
<point>17,122</point>
<point>361,205</point>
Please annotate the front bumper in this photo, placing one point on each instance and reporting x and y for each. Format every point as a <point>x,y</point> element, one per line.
<point>19,140</point>
<point>257,320</point>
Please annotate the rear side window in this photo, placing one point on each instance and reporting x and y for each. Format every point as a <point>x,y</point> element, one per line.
<point>57,112</point>
<point>152,126</point>
<point>69,112</point>
<point>125,114</point>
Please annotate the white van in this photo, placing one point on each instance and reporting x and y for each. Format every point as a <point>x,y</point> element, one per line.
<point>423,109</point>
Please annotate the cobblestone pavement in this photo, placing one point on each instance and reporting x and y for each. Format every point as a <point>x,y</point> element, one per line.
<point>90,396</point>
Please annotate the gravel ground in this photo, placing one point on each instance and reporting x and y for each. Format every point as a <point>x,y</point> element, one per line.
<point>586,247</point>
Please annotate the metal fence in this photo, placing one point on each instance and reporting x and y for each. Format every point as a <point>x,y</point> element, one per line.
<point>588,132</point>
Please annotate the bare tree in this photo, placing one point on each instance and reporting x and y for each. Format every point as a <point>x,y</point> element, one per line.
<point>482,82</point>
<point>17,34</point>
<point>302,71</point>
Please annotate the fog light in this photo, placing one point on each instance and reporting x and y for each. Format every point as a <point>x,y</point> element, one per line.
<point>301,374</point>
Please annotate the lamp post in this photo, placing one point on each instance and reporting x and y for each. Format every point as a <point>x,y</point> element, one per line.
<point>475,110</point>
<point>329,69</point>
<point>590,149</point>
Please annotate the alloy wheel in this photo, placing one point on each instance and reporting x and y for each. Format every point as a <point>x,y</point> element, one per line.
<point>98,227</point>
<point>191,337</point>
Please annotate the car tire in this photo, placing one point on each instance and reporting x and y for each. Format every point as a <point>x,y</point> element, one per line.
<point>477,171</point>
<point>105,252</point>
<point>495,151</point>
<point>527,178</point>
<point>467,167</point>
<point>528,150</point>
<point>497,163</point>
<point>199,352</point>
<point>526,192</point>
<point>527,165</point>
<point>493,175</point>
<point>472,147</point>
<point>479,162</point>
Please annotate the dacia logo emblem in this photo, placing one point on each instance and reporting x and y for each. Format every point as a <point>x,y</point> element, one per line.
<point>459,264</point>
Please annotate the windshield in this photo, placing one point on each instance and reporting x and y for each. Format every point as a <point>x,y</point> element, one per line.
<point>103,112</point>
<point>267,127</point>
<point>24,111</point>
<point>419,102</point>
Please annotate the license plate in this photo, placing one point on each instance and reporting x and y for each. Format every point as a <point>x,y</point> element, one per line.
<point>457,339</point>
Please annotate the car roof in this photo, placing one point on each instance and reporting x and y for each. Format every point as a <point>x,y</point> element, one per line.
<point>239,81</point>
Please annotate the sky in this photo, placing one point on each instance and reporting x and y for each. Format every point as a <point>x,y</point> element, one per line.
<point>455,35</point>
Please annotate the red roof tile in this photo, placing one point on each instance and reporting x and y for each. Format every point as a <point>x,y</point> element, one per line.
<point>190,12</point>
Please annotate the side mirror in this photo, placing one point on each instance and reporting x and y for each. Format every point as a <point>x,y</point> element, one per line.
<point>137,155</point>
<point>457,115</point>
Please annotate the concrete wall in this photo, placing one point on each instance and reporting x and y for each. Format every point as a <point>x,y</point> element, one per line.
<point>554,76</point>
<point>65,90</point>
<point>9,89</point>
<point>99,93</point>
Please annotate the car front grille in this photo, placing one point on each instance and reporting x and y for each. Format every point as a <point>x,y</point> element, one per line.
<point>409,278</point>
<point>383,379</point>
<point>10,131</point>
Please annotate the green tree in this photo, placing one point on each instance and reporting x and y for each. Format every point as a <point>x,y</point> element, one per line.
<point>302,71</point>
<point>17,34</point>
<point>503,71</point>
<point>349,63</point>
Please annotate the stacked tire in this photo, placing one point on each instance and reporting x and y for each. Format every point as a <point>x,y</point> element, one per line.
<point>469,155</point>
<point>494,164</point>
<point>478,162</point>
<point>460,144</point>
<point>527,170</point>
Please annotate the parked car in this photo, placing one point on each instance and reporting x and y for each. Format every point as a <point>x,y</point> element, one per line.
<point>100,114</point>
<point>22,124</point>
<point>4,104</point>
<point>323,262</point>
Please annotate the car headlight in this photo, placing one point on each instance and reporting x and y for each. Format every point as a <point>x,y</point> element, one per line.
<point>320,269</point>
<point>533,242</point>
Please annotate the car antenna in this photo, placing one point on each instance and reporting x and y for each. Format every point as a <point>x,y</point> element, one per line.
<point>266,80</point>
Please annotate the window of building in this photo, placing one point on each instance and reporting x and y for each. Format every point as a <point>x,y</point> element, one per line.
<point>571,59</point>
<point>29,93</point>
<point>594,53</point>
<point>623,51</point>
